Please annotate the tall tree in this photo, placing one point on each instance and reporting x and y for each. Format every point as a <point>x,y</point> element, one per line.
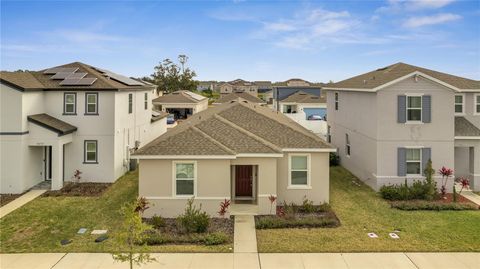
<point>170,76</point>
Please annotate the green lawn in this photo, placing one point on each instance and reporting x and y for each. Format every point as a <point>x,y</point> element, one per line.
<point>41,224</point>
<point>361,210</point>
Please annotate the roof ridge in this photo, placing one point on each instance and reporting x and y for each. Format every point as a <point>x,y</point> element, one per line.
<point>254,136</point>
<point>227,149</point>
<point>288,124</point>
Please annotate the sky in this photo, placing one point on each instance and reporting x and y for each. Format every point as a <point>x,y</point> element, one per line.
<point>254,40</point>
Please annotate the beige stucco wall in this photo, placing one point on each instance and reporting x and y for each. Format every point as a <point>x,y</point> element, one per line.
<point>319,180</point>
<point>213,183</point>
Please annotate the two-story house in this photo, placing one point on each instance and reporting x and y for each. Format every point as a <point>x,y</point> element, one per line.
<point>389,122</point>
<point>70,117</point>
<point>239,85</point>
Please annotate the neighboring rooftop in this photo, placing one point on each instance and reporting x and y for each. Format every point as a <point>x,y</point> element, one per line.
<point>234,128</point>
<point>240,82</point>
<point>224,98</point>
<point>158,115</point>
<point>52,123</point>
<point>76,76</point>
<point>463,127</point>
<point>303,97</point>
<point>392,72</point>
<point>179,97</point>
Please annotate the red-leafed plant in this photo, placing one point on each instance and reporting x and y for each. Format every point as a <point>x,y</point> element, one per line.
<point>76,175</point>
<point>446,173</point>
<point>141,205</point>
<point>464,182</point>
<point>280,212</point>
<point>224,207</point>
<point>272,199</point>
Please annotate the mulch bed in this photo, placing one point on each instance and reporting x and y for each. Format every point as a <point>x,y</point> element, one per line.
<point>7,198</point>
<point>296,220</point>
<point>449,196</point>
<point>216,225</point>
<point>80,189</point>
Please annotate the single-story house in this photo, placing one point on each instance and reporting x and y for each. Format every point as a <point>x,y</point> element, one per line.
<point>181,103</point>
<point>228,97</point>
<point>238,151</point>
<point>308,110</point>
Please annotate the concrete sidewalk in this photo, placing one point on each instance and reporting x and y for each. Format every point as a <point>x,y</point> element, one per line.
<point>245,235</point>
<point>19,202</point>
<point>249,261</point>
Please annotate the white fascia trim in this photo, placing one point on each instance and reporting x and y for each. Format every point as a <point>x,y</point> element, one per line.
<point>182,157</point>
<point>398,80</point>
<point>184,198</point>
<point>260,155</point>
<point>310,150</point>
<point>467,137</point>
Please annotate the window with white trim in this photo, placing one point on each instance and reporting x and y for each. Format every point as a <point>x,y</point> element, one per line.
<point>70,103</point>
<point>336,101</point>
<point>414,108</point>
<point>347,145</point>
<point>459,104</point>
<point>146,100</point>
<point>130,103</point>
<point>91,151</point>
<point>414,161</point>
<point>299,170</point>
<point>289,109</point>
<point>477,104</point>
<point>184,178</point>
<point>91,103</point>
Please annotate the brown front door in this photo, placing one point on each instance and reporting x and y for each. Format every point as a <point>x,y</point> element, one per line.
<point>243,180</point>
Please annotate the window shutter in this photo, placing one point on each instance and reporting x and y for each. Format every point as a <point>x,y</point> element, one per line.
<point>402,162</point>
<point>426,155</point>
<point>402,109</point>
<point>426,108</point>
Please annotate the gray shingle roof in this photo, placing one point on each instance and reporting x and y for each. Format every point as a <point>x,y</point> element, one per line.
<point>463,127</point>
<point>52,123</point>
<point>303,97</point>
<point>224,98</point>
<point>234,128</point>
<point>387,74</point>
<point>181,96</point>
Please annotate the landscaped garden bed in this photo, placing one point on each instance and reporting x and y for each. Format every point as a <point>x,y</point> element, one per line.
<point>423,194</point>
<point>306,215</point>
<point>7,198</point>
<point>219,231</point>
<point>80,189</point>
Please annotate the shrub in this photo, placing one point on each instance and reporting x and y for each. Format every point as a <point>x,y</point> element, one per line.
<point>427,205</point>
<point>325,207</point>
<point>431,188</point>
<point>334,159</point>
<point>224,207</point>
<point>157,238</point>
<point>157,222</point>
<point>418,190</point>
<point>193,219</point>
<point>290,210</point>
<point>307,206</point>
<point>215,239</point>
<point>271,222</point>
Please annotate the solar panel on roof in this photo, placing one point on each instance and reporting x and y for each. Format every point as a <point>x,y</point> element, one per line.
<point>69,81</point>
<point>86,81</point>
<point>123,79</point>
<point>61,75</point>
<point>60,70</point>
<point>77,75</point>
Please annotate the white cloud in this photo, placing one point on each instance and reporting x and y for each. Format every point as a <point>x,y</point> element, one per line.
<point>280,26</point>
<point>396,6</point>
<point>420,21</point>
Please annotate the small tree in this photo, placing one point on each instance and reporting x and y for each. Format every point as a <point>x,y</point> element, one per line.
<point>170,77</point>
<point>133,233</point>
<point>431,184</point>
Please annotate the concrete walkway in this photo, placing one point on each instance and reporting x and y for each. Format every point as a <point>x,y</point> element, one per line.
<point>471,196</point>
<point>19,202</point>
<point>248,261</point>
<point>245,235</point>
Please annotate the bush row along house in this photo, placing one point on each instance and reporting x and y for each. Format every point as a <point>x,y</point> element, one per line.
<point>70,117</point>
